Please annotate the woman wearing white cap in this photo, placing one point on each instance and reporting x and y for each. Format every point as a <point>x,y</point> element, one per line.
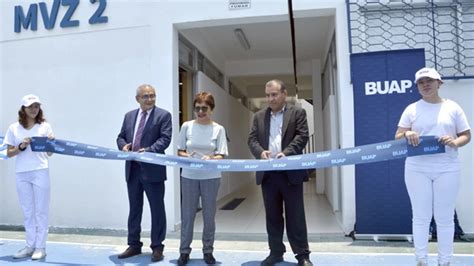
<point>432,181</point>
<point>32,175</point>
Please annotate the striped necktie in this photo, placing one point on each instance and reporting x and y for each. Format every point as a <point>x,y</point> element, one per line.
<point>138,135</point>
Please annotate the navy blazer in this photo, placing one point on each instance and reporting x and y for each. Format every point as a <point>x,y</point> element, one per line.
<point>156,138</point>
<point>294,138</point>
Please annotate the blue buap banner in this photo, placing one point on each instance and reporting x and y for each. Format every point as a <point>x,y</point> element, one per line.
<point>383,151</point>
<point>384,86</point>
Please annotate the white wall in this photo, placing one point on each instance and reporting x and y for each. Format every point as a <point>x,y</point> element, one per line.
<point>84,95</point>
<point>309,115</point>
<point>87,75</point>
<point>319,129</point>
<point>331,174</point>
<point>86,78</point>
<point>235,118</point>
<point>462,92</point>
<point>346,118</point>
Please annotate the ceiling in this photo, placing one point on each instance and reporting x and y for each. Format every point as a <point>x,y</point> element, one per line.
<point>268,40</point>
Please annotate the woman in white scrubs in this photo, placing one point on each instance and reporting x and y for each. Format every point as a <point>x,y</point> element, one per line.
<point>32,175</point>
<point>432,181</point>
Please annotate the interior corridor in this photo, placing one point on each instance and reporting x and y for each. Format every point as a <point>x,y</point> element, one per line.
<point>249,216</point>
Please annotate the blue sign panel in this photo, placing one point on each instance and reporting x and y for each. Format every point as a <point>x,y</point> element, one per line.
<point>383,85</point>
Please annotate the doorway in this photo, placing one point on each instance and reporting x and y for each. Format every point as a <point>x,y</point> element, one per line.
<point>246,69</point>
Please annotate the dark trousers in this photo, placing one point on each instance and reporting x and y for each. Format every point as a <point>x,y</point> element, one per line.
<point>282,198</point>
<point>155,192</point>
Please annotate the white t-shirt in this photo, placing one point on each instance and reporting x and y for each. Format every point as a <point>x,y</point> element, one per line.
<point>202,140</point>
<point>440,119</point>
<point>28,160</point>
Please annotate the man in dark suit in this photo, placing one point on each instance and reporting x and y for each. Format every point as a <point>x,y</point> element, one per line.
<point>147,129</point>
<point>278,131</point>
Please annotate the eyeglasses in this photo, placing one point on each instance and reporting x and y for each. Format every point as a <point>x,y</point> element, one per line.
<point>148,97</point>
<point>203,109</point>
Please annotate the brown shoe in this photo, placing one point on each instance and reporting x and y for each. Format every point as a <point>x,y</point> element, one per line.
<point>130,252</point>
<point>157,255</point>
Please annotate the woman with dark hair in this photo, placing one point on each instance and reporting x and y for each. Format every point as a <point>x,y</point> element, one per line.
<point>204,139</point>
<point>32,175</point>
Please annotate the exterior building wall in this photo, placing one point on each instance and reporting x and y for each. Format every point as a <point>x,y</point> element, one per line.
<point>86,77</point>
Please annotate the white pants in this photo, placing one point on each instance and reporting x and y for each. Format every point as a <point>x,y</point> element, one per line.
<point>431,193</point>
<point>33,190</point>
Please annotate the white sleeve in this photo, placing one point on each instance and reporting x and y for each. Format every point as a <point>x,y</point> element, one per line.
<point>10,138</point>
<point>48,129</point>
<point>181,145</point>
<point>221,142</point>
<point>461,121</point>
<point>405,119</point>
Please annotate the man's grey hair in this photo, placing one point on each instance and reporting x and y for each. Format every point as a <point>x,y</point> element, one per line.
<point>276,82</point>
<point>143,86</point>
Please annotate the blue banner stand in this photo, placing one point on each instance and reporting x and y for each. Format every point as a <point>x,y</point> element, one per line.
<point>383,84</point>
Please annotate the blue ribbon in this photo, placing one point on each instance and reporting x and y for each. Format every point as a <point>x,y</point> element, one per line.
<point>383,151</point>
<point>3,155</point>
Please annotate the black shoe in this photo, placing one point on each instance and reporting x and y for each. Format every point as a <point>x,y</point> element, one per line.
<point>304,262</point>
<point>157,255</point>
<point>183,259</point>
<point>209,259</point>
<point>130,252</point>
<point>272,260</point>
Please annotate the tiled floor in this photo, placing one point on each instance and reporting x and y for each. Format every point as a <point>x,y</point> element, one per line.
<point>64,253</point>
<point>249,216</point>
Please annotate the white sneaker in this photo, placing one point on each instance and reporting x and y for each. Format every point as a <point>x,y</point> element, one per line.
<point>23,253</point>
<point>39,254</point>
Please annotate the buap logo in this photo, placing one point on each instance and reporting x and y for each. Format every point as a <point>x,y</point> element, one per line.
<point>196,165</point>
<point>338,161</point>
<point>387,86</point>
<point>308,164</point>
<point>293,158</point>
<point>79,152</point>
<point>368,157</point>
<point>58,149</point>
<point>399,153</point>
<point>352,151</point>
<point>431,148</point>
<point>279,165</point>
<point>251,166</point>
<point>383,146</point>
<point>323,155</point>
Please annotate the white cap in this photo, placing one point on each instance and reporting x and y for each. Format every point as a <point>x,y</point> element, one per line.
<point>427,72</point>
<point>29,99</point>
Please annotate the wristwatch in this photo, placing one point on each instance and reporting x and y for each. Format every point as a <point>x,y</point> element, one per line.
<point>19,147</point>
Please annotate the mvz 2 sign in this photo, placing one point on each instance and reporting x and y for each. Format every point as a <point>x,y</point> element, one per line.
<point>30,20</point>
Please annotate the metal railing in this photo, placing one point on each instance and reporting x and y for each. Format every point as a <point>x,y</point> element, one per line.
<point>444,28</point>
